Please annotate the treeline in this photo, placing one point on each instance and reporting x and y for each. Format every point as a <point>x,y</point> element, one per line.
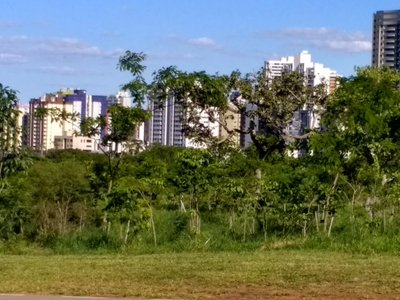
<point>342,191</point>
<point>183,199</point>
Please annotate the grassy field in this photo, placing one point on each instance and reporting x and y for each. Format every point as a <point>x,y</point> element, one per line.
<point>276,274</point>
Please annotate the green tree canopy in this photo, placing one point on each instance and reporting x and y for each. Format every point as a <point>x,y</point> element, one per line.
<point>268,104</point>
<point>11,157</point>
<point>362,120</point>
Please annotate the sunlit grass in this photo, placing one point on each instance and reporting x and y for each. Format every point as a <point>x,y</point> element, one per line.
<point>201,275</point>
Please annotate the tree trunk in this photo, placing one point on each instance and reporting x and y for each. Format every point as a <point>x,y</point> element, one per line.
<point>153,227</point>
<point>128,228</point>
<point>304,225</point>
<point>244,227</point>
<point>328,203</point>
<point>384,220</point>
<point>265,224</point>
<point>21,227</point>
<point>198,223</point>
<point>231,221</point>
<point>330,226</point>
<point>108,227</point>
<point>105,223</point>
<point>63,209</point>
<point>110,184</point>
<point>317,220</point>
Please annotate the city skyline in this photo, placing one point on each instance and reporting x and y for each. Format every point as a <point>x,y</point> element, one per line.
<point>47,45</point>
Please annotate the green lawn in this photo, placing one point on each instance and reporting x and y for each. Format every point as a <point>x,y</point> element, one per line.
<point>249,275</point>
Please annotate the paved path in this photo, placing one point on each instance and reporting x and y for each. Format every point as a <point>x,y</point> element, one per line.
<point>37,297</point>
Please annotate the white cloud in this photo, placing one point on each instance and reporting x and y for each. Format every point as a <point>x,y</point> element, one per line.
<point>58,70</point>
<point>169,56</point>
<point>65,47</point>
<point>13,42</point>
<point>203,42</point>
<point>71,47</point>
<point>10,58</point>
<point>330,39</point>
<point>197,43</point>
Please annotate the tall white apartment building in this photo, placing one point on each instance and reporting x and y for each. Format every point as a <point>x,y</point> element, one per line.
<point>23,124</point>
<point>43,128</point>
<point>167,124</point>
<point>274,68</point>
<point>122,98</point>
<point>314,74</point>
<point>46,132</point>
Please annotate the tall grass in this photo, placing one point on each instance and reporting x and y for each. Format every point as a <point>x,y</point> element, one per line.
<point>173,234</point>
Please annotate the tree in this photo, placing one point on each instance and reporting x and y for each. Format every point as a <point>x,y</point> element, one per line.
<point>192,180</point>
<point>272,104</point>
<point>133,63</point>
<point>119,127</point>
<point>362,136</point>
<point>15,207</point>
<point>118,133</point>
<point>12,158</point>
<point>361,119</point>
<point>56,191</point>
<point>201,96</point>
<point>126,206</point>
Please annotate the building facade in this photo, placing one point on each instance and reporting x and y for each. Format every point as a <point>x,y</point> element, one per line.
<point>232,120</point>
<point>314,74</point>
<point>71,141</point>
<point>386,39</point>
<point>43,128</point>
<point>44,132</point>
<point>166,126</point>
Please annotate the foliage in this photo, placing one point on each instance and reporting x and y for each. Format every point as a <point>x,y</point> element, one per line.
<point>269,105</point>
<point>200,96</point>
<point>342,193</point>
<point>118,128</point>
<point>51,199</point>
<point>12,158</point>
<point>132,62</point>
<point>362,120</point>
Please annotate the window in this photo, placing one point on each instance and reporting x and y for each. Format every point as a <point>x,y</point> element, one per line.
<point>304,119</point>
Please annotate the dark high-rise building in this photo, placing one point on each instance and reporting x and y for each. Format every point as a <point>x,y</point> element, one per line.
<point>386,39</point>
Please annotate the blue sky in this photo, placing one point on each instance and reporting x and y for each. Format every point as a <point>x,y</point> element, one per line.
<point>46,45</point>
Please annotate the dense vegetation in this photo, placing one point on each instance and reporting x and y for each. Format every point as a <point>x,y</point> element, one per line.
<point>342,193</point>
